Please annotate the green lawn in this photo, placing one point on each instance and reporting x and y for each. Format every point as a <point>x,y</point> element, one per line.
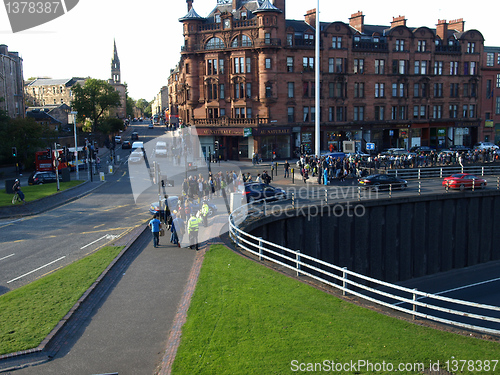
<point>28,314</point>
<point>35,192</point>
<point>247,319</point>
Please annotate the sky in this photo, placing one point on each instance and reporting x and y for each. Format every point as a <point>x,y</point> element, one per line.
<point>148,34</point>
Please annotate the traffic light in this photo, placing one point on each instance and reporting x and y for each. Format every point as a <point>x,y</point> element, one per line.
<point>216,145</point>
<point>14,151</point>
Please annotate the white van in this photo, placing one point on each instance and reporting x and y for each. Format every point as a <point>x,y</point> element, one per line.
<point>137,144</point>
<point>161,149</point>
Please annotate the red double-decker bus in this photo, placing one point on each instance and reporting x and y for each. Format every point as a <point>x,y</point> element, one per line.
<point>45,160</point>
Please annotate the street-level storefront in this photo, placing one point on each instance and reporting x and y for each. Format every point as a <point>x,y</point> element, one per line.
<point>228,143</point>
<point>442,135</point>
<point>273,141</point>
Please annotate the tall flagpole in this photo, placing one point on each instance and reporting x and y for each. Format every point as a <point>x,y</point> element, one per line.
<point>317,87</point>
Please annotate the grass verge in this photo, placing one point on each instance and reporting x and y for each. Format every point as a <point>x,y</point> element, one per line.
<point>28,314</point>
<point>35,192</point>
<point>247,319</point>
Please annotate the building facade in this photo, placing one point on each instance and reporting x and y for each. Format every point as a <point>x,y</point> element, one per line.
<point>490,95</point>
<point>11,82</point>
<point>159,106</point>
<point>246,79</point>
<point>42,92</point>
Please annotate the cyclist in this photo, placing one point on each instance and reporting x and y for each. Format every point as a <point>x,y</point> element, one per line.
<point>18,194</point>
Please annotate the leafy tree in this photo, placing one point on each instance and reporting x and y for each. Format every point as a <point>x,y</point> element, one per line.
<point>130,106</point>
<point>111,125</point>
<point>27,136</point>
<point>93,99</point>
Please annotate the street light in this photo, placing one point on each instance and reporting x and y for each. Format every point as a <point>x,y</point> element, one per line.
<point>74,113</point>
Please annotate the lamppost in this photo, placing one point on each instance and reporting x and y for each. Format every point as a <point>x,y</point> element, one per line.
<point>74,113</point>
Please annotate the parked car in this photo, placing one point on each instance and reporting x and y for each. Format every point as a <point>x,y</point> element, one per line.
<point>126,144</point>
<point>173,203</point>
<point>459,148</point>
<point>382,181</point>
<point>38,178</point>
<point>485,146</point>
<point>464,181</point>
<point>118,139</point>
<point>423,149</point>
<point>138,144</point>
<point>255,191</point>
<point>134,136</point>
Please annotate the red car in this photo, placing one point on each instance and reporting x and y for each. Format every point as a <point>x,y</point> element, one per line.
<point>464,181</point>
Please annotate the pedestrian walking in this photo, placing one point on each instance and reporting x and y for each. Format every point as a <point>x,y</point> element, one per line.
<point>287,169</point>
<point>155,226</point>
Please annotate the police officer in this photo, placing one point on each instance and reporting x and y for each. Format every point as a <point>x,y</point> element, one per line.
<point>204,213</point>
<point>193,227</point>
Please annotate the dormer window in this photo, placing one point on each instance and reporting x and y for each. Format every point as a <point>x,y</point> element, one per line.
<point>217,18</point>
<point>243,15</point>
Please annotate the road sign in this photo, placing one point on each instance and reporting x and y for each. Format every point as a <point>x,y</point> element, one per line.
<point>370,146</point>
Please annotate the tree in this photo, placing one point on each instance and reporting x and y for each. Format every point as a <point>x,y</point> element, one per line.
<point>93,99</point>
<point>27,136</point>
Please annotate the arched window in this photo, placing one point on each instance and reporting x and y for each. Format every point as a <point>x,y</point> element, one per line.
<point>214,43</point>
<point>241,41</point>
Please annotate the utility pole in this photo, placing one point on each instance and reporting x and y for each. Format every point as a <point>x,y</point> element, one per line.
<point>74,113</point>
<point>56,164</point>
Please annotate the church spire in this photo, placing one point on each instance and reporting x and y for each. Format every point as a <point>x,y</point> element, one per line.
<point>115,65</point>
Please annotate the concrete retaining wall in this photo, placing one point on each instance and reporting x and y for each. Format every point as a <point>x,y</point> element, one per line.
<point>395,239</point>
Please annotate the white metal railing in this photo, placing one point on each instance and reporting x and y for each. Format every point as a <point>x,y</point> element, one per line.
<point>441,172</point>
<point>440,309</point>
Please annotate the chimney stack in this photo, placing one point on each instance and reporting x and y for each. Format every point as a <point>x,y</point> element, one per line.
<point>442,29</point>
<point>458,25</point>
<point>311,17</point>
<point>357,21</point>
<point>235,5</point>
<point>398,21</point>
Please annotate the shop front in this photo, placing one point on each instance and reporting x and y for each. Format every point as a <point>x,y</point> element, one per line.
<point>226,143</point>
<point>273,142</point>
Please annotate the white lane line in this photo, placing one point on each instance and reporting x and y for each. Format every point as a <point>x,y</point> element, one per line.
<point>39,268</point>
<point>106,236</point>
<point>455,289</point>
<point>93,242</point>
<point>8,256</point>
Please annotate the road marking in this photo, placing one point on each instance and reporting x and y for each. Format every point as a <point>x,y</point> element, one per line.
<point>107,236</point>
<point>8,256</point>
<point>103,230</point>
<point>93,242</point>
<point>39,268</point>
<point>100,225</point>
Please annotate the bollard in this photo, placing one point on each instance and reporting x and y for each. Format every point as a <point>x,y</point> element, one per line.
<point>473,184</point>
<point>326,196</point>
<point>293,200</point>
<point>293,177</point>
<point>440,172</point>
<point>419,173</point>
<point>482,171</point>
<point>359,193</point>
<point>390,190</point>
<point>419,187</point>
<point>447,187</point>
